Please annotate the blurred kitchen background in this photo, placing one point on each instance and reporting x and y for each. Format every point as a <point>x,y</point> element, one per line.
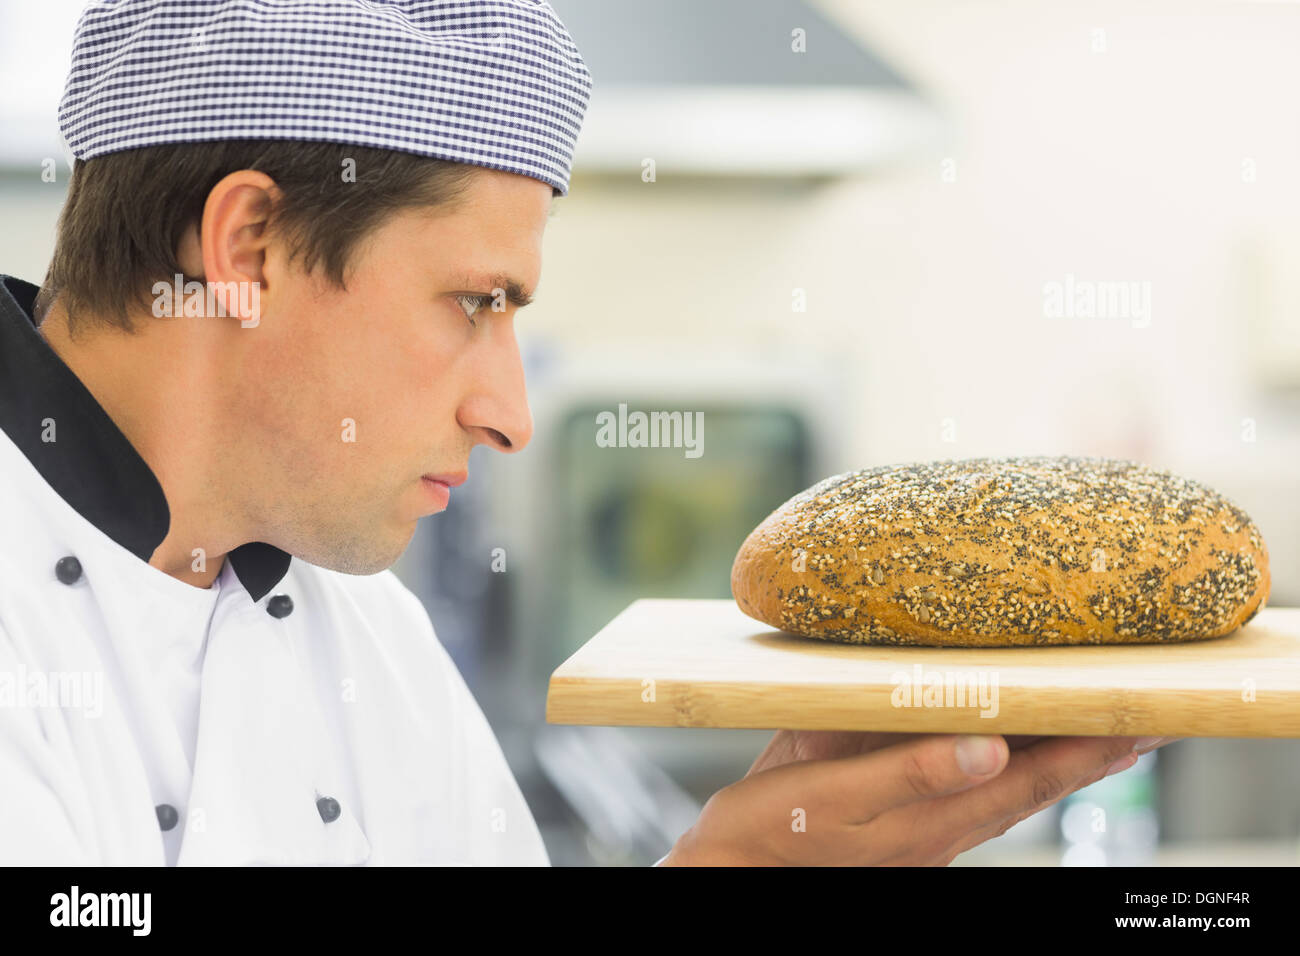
<point>830,227</point>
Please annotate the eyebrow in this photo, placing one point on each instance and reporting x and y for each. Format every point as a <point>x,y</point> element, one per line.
<point>514,290</point>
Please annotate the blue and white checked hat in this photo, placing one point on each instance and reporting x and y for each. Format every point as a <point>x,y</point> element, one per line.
<point>496,83</point>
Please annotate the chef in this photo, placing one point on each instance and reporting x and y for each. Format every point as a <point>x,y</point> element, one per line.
<point>202,657</point>
<point>278,317</point>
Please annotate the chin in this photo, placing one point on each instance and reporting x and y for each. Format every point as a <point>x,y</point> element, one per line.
<point>364,556</point>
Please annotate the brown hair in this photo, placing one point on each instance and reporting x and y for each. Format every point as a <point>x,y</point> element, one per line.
<point>125,212</point>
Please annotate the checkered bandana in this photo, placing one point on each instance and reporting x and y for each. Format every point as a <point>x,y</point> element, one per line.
<point>496,83</point>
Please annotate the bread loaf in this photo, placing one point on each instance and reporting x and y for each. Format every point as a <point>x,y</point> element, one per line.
<point>1006,551</point>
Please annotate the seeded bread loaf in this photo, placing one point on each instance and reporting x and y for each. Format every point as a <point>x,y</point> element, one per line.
<point>1007,551</point>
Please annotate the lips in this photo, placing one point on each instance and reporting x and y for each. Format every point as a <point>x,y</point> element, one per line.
<point>450,480</point>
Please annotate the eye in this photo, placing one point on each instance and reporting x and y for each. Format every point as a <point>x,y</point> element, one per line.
<point>471,305</point>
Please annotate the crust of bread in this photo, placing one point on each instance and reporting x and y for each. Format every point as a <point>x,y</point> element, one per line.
<point>1005,552</point>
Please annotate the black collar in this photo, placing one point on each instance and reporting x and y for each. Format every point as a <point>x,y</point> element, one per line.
<point>91,464</point>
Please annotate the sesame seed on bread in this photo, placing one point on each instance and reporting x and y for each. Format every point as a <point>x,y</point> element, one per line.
<point>992,552</point>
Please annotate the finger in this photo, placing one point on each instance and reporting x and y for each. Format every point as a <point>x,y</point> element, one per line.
<point>924,768</point>
<point>996,829</point>
<point>992,830</point>
<point>789,746</point>
<point>1036,777</point>
<point>828,745</point>
<point>1148,744</point>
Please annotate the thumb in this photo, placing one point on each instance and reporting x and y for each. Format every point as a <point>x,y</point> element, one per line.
<point>934,766</point>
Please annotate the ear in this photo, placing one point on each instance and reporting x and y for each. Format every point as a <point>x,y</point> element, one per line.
<point>233,239</point>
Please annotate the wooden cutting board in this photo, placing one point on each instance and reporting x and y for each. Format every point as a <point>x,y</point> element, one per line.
<point>677,663</point>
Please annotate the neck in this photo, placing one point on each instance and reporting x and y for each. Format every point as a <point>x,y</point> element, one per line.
<point>159,385</point>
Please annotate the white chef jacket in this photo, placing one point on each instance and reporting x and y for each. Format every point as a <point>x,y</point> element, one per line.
<point>287,715</point>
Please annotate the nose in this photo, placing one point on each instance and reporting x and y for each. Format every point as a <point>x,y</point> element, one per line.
<point>496,411</point>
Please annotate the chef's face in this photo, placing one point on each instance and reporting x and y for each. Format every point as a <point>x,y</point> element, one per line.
<point>356,395</point>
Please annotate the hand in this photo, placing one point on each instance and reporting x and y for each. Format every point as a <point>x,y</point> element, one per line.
<point>859,799</point>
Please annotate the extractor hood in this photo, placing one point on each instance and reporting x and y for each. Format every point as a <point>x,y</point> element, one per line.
<point>739,87</point>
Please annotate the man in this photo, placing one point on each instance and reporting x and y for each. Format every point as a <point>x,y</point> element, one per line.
<point>278,317</point>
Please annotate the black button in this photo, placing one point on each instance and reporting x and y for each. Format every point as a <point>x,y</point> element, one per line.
<point>68,570</point>
<point>167,815</point>
<point>280,606</point>
<point>329,809</point>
